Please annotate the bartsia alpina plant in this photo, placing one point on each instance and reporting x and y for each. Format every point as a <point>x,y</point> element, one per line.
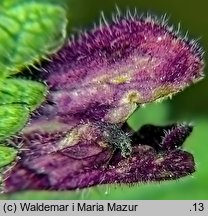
<point>96,81</point>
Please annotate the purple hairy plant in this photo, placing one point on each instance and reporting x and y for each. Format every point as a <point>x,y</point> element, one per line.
<point>80,137</point>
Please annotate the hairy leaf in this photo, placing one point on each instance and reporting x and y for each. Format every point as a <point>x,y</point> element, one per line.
<point>28,31</point>
<point>7,155</point>
<point>19,91</point>
<point>13,118</point>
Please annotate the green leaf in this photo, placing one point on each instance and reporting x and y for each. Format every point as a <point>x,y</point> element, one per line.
<point>13,117</point>
<point>7,155</point>
<point>29,30</point>
<point>19,91</point>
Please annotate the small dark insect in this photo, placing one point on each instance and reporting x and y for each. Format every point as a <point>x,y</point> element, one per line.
<point>116,137</point>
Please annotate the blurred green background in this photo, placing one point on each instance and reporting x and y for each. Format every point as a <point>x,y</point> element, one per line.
<point>190,106</point>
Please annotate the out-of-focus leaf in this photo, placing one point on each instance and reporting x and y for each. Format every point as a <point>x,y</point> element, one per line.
<point>28,31</point>
<point>155,113</point>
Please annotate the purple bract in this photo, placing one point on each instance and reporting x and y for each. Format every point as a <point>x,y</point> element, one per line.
<point>96,81</point>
